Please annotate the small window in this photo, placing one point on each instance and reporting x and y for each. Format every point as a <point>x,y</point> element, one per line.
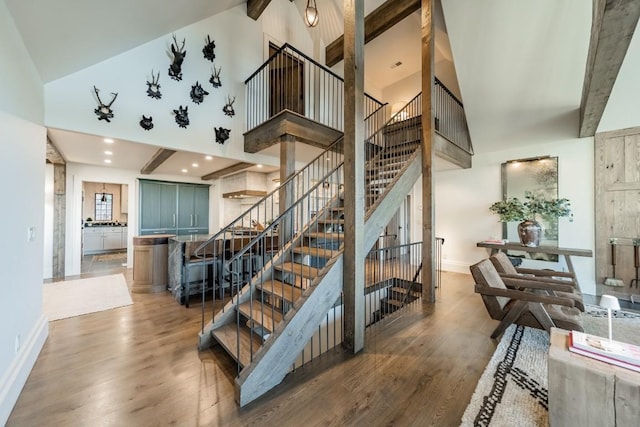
<point>104,206</point>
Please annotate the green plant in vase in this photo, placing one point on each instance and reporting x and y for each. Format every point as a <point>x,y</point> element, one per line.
<point>529,212</point>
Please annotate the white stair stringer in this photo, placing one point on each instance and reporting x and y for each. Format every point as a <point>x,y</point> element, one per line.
<point>274,360</point>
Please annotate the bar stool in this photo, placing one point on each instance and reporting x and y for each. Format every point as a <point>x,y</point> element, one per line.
<point>190,261</point>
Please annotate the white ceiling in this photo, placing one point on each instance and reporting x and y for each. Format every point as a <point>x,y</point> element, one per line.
<point>66,36</point>
<point>90,149</point>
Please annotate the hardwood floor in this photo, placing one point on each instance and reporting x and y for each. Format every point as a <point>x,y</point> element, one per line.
<point>139,365</point>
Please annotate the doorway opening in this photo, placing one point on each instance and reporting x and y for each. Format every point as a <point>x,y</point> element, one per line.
<point>104,227</point>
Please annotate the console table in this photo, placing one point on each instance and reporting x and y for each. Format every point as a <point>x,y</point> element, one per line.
<point>566,252</point>
<point>587,392</point>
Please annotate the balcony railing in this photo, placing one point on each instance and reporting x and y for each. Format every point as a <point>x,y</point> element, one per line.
<point>450,120</point>
<point>290,80</point>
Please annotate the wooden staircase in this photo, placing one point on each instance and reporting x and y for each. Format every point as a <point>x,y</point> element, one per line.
<point>399,295</point>
<point>266,326</point>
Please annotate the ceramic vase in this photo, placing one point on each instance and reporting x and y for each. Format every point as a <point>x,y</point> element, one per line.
<point>529,233</point>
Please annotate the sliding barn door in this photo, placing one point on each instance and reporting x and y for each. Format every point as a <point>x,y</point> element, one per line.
<point>617,208</point>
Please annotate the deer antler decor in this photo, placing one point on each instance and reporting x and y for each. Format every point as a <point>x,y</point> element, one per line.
<point>208,48</point>
<point>146,122</point>
<point>228,107</point>
<point>175,69</point>
<point>215,77</point>
<point>198,93</point>
<point>182,116</point>
<point>153,88</point>
<point>104,111</point>
<point>222,134</point>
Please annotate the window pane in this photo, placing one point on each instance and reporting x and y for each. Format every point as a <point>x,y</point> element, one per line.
<point>104,206</point>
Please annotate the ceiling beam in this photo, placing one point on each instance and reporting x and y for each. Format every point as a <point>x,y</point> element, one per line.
<point>256,7</point>
<point>159,158</point>
<point>227,171</point>
<point>53,154</point>
<point>377,22</point>
<point>613,25</point>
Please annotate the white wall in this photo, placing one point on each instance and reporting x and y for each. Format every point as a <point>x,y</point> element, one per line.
<point>47,269</point>
<point>20,86</point>
<point>70,101</point>
<point>463,198</point>
<point>23,328</point>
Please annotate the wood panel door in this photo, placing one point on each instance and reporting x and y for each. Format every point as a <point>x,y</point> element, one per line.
<point>617,208</point>
<point>286,83</point>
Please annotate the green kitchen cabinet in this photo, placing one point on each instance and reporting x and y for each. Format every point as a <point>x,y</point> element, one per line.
<point>193,209</point>
<point>173,208</point>
<point>158,207</point>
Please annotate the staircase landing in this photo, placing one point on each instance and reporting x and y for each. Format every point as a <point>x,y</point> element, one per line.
<point>285,123</point>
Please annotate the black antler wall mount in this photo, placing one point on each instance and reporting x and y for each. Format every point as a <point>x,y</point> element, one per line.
<point>208,49</point>
<point>153,87</point>
<point>175,69</point>
<point>104,111</point>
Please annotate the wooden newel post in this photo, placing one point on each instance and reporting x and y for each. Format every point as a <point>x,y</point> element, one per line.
<point>353,270</point>
<point>428,216</point>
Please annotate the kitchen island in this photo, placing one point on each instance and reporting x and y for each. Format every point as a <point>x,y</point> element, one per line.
<point>182,249</point>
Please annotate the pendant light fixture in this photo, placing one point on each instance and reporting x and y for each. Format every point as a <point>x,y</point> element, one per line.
<point>103,199</point>
<point>311,14</point>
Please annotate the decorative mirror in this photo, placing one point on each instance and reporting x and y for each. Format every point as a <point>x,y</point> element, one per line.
<point>538,176</point>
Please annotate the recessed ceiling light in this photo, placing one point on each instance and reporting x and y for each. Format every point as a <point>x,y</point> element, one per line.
<point>184,171</point>
<point>208,157</point>
<point>108,153</point>
<point>107,160</point>
<point>259,166</point>
<point>108,140</point>
<point>195,165</point>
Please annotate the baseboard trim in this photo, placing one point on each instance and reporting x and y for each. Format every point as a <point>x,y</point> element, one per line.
<point>456,266</point>
<point>16,376</point>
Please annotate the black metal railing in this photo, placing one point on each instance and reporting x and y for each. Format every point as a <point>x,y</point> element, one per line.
<point>450,119</point>
<point>389,148</point>
<point>290,80</point>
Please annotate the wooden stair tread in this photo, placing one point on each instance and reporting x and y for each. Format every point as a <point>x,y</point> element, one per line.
<point>305,271</point>
<point>227,336</point>
<point>285,291</point>
<point>318,252</point>
<point>393,302</point>
<point>328,236</point>
<point>260,314</point>
<point>331,221</point>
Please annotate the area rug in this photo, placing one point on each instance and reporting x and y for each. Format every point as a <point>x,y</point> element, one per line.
<point>77,297</point>
<point>512,390</point>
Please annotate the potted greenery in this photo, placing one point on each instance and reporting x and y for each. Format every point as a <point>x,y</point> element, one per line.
<point>529,212</point>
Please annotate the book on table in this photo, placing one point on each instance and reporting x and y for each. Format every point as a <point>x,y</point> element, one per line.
<point>610,351</point>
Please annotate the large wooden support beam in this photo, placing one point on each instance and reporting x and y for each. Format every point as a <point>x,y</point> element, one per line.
<point>354,159</point>
<point>159,158</point>
<point>287,190</point>
<point>377,22</point>
<point>613,25</point>
<point>428,214</point>
<point>53,154</point>
<point>227,171</point>
<point>59,218</point>
<point>256,7</point>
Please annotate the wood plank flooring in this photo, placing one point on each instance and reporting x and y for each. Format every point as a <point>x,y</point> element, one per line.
<point>139,365</point>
